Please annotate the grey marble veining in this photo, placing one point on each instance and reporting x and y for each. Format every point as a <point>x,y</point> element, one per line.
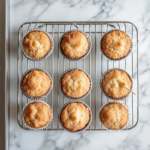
<point>136,11</point>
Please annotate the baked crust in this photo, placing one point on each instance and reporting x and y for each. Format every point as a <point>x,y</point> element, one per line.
<point>114,116</point>
<point>75,83</point>
<point>74,44</point>
<point>113,83</point>
<point>36,44</point>
<point>37,115</point>
<point>75,116</point>
<point>36,83</point>
<point>116,44</point>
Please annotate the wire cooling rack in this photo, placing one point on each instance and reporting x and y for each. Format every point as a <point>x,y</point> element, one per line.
<point>95,64</point>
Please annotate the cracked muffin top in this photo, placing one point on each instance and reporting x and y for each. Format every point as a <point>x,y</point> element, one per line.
<point>36,83</point>
<point>37,114</point>
<point>114,115</point>
<point>75,83</point>
<point>116,44</point>
<point>114,81</point>
<point>75,116</point>
<point>74,44</point>
<point>36,44</point>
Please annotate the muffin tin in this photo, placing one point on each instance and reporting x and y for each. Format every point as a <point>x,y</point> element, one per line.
<point>95,64</point>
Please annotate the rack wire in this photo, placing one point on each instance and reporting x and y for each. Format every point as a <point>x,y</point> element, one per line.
<point>95,64</point>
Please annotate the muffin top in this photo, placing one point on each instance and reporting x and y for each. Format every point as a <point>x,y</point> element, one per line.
<point>114,116</point>
<point>113,83</point>
<point>36,44</point>
<point>75,116</point>
<point>116,44</point>
<point>74,44</point>
<point>75,83</point>
<point>36,83</point>
<point>37,115</point>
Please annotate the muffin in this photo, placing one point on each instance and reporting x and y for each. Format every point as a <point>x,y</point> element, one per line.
<point>116,44</point>
<point>114,115</point>
<point>37,115</point>
<point>113,82</point>
<point>36,83</point>
<point>75,116</point>
<point>36,44</point>
<point>74,44</point>
<point>75,83</point>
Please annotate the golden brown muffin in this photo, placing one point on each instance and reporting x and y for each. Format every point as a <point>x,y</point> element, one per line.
<point>37,115</point>
<point>75,116</point>
<point>114,116</point>
<point>75,83</point>
<point>74,44</point>
<point>36,83</point>
<point>36,44</point>
<point>116,44</point>
<point>113,83</point>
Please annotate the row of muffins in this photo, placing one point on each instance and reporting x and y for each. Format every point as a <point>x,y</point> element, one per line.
<point>74,116</point>
<point>75,45</point>
<point>38,45</point>
<point>76,84</point>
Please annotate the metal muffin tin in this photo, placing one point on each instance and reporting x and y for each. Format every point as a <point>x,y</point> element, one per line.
<point>59,117</point>
<point>41,97</point>
<point>71,98</point>
<point>101,80</point>
<point>95,64</point>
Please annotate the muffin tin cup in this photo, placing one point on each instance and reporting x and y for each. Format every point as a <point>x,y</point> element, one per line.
<point>109,128</point>
<point>41,97</point>
<point>71,98</point>
<point>118,59</point>
<point>42,128</point>
<point>59,117</point>
<point>82,57</point>
<point>37,59</point>
<point>109,97</point>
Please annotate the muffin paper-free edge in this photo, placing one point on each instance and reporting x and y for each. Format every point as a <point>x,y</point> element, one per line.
<point>87,125</point>
<point>37,59</point>
<point>71,98</point>
<point>117,58</point>
<point>82,57</point>
<point>101,81</point>
<point>114,129</point>
<point>30,128</point>
<point>41,97</point>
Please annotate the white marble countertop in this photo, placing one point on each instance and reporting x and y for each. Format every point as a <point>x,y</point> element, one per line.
<point>136,11</point>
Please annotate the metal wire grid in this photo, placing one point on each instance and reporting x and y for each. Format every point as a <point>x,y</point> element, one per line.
<point>95,31</point>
